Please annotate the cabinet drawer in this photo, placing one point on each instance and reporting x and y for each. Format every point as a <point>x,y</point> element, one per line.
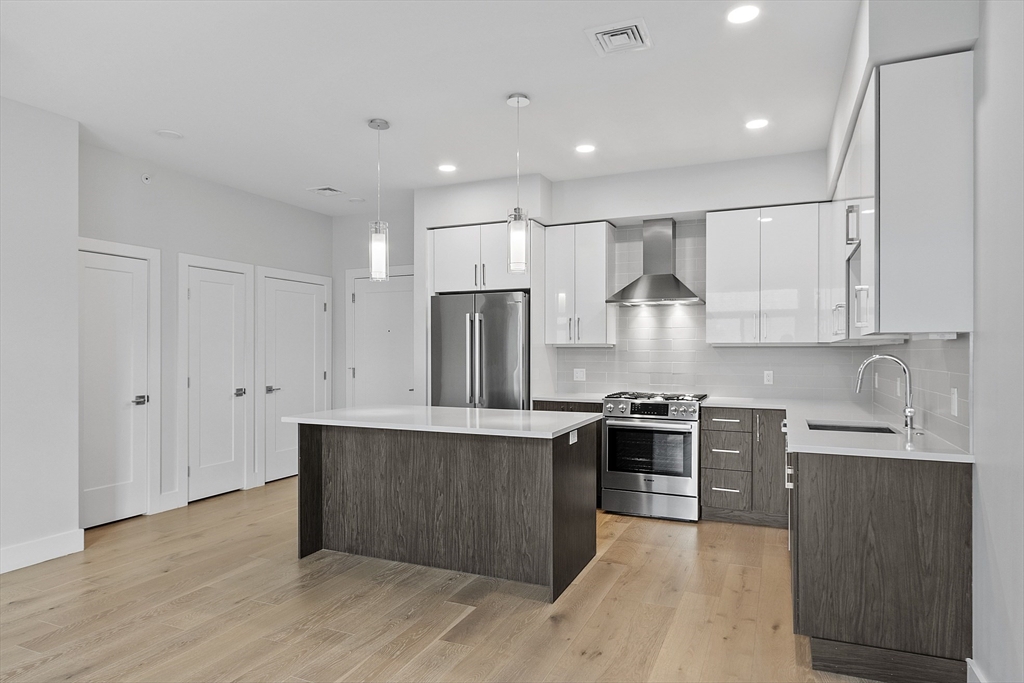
<point>726,419</point>
<point>725,450</point>
<point>725,489</point>
<point>549,405</point>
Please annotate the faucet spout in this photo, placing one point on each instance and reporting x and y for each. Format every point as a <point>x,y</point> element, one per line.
<point>908,409</point>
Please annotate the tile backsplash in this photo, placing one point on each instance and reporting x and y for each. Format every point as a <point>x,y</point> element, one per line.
<point>936,368</point>
<point>662,348</point>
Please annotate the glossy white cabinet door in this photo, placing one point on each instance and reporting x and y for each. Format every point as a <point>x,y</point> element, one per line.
<point>789,274</point>
<point>591,284</point>
<point>832,306</point>
<point>560,284</point>
<point>863,269</point>
<point>494,259</point>
<point>868,120</point>
<point>457,259</point>
<point>734,276</point>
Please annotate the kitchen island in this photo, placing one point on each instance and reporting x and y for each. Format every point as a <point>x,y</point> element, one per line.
<point>502,493</point>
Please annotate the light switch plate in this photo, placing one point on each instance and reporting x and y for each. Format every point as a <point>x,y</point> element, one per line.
<point>769,377</point>
<point>579,374</point>
<point>954,408</point>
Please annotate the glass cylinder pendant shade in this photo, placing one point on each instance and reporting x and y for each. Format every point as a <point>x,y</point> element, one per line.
<point>379,250</point>
<point>518,225</point>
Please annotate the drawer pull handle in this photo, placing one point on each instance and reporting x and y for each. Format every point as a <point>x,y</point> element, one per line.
<point>715,488</point>
<point>723,419</point>
<point>723,450</point>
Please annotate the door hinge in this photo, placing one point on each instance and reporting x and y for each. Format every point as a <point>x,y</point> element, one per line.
<point>189,293</point>
<point>188,382</point>
<point>325,374</point>
<point>353,372</point>
<point>325,308</point>
<point>353,297</point>
<point>188,470</point>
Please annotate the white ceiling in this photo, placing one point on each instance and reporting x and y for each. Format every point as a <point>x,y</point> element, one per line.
<point>273,97</point>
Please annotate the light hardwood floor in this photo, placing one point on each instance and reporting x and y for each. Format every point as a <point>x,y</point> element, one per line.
<point>214,592</point>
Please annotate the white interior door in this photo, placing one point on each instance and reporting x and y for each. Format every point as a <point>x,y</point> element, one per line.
<point>295,365</point>
<point>216,369</point>
<point>113,406</point>
<point>381,353</point>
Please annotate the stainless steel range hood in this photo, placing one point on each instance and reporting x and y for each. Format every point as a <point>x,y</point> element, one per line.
<point>658,284</point>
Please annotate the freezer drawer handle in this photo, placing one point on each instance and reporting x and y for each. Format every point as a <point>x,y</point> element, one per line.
<point>723,419</point>
<point>722,450</point>
<point>716,488</point>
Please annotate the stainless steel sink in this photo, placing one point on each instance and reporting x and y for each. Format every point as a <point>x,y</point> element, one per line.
<point>864,427</point>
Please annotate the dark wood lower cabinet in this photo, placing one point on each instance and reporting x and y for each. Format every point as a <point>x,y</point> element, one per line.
<point>881,553</point>
<point>580,407</point>
<point>512,508</point>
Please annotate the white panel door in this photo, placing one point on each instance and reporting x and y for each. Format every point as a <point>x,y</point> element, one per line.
<point>295,335</point>
<point>216,369</point>
<point>733,277</point>
<point>494,259</point>
<point>591,253</point>
<point>383,353</point>
<point>560,284</point>
<point>456,259</point>
<point>789,274</point>
<point>113,406</point>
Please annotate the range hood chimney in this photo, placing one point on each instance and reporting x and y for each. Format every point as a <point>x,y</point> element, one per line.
<point>658,284</point>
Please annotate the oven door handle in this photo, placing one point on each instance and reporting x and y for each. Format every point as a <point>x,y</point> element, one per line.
<point>667,426</point>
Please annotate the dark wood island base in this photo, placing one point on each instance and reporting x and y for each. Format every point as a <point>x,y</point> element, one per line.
<point>512,508</point>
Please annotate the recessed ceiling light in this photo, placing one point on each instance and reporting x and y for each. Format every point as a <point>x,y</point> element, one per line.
<point>170,134</point>
<point>446,168</point>
<point>356,199</point>
<point>757,123</point>
<point>585,149</point>
<point>742,15</point>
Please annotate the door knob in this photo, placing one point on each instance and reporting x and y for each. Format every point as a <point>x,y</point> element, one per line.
<point>140,400</point>
<point>271,389</point>
<point>240,392</point>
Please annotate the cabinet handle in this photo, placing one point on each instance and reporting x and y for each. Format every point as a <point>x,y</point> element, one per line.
<point>860,306</point>
<point>483,275</point>
<point>757,429</point>
<point>853,236</point>
<point>836,318</point>
<point>570,329</point>
<point>764,326</point>
<point>723,419</point>
<point>723,450</point>
<point>476,267</point>
<point>716,488</point>
<point>577,329</point>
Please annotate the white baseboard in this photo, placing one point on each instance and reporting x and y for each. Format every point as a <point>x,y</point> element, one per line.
<point>974,674</point>
<point>40,550</point>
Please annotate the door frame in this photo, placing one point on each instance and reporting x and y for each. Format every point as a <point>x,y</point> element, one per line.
<point>351,275</point>
<point>262,274</point>
<point>154,498</point>
<point>186,261</point>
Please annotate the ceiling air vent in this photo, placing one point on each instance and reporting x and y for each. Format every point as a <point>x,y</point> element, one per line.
<point>325,191</point>
<point>620,37</point>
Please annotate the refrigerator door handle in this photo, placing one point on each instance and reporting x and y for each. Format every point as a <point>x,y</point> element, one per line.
<point>519,345</point>
<point>469,358</point>
<point>477,358</point>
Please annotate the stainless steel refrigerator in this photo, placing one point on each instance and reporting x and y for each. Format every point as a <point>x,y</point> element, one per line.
<point>480,350</point>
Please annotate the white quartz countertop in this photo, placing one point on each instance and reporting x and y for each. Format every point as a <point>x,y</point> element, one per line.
<point>530,424</point>
<point>923,446</point>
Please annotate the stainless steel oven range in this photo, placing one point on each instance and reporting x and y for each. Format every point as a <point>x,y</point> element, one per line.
<point>650,461</point>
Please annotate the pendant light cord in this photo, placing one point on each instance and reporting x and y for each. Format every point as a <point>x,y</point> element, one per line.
<point>378,175</point>
<point>518,106</point>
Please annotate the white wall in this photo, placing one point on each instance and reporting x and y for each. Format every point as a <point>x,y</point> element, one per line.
<point>998,353</point>
<point>38,336</point>
<point>351,250</point>
<point>178,213</point>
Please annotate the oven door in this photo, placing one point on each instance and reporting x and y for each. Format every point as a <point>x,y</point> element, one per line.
<point>650,455</point>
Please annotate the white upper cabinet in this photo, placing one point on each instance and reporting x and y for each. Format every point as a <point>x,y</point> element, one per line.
<point>457,259</point>
<point>734,277</point>
<point>789,274</point>
<point>762,276</point>
<point>832,304</point>
<point>475,257</point>
<point>577,281</point>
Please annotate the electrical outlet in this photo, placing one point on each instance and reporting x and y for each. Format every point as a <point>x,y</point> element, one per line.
<point>899,386</point>
<point>953,407</point>
<point>769,377</point>
<point>579,374</point>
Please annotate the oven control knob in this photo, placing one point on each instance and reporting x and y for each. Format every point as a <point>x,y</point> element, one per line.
<point>622,409</point>
<point>610,408</point>
<point>691,410</point>
<point>674,410</point>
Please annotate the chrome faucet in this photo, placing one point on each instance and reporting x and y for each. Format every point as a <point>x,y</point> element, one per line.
<point>908,410</point>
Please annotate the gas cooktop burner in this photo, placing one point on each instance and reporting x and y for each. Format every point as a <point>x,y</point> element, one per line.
<point>646,396</point>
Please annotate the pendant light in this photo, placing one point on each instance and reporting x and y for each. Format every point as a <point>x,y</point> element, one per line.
<point>379,266</point>
<point>518,223</point>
